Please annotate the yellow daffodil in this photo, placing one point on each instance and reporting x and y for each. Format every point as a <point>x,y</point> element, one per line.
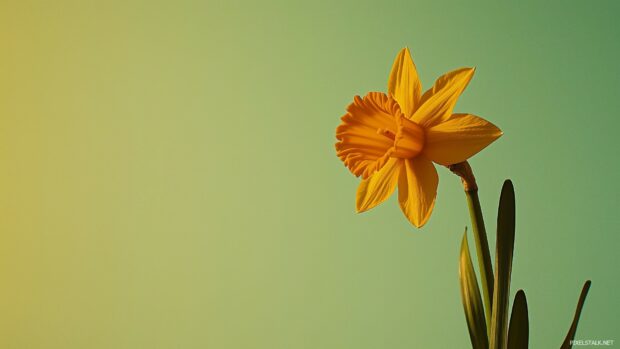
<point>393,139</point>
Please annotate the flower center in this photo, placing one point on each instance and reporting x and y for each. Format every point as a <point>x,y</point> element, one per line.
<point>411,140</point>
<point>373,130</point>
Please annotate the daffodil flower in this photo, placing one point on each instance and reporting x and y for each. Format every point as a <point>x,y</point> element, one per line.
<point>393,139</point>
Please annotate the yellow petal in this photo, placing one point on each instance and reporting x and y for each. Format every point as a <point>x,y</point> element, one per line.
<point>378,187</point>
<point>438,102</point>
<point>417,189</point>
<point>459,138</point>
<point>404,84</point>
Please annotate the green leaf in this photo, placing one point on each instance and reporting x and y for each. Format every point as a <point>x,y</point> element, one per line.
<point>503,266</point>
<point>519,330</point>
<point>472,302</point>
<point>573,328</point>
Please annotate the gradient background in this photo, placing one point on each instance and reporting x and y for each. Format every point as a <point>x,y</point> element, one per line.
<point>168,177</point>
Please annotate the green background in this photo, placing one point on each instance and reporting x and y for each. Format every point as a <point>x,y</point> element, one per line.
<point>168,175</point>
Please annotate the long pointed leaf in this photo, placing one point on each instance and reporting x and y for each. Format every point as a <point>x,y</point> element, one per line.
<point>503,266</point>
<point>519,330</point>
<point>573,328</point>
<point>472,301</point>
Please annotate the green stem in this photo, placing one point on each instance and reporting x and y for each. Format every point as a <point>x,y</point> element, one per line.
<point>464,171</point>
<point>482,250</point>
